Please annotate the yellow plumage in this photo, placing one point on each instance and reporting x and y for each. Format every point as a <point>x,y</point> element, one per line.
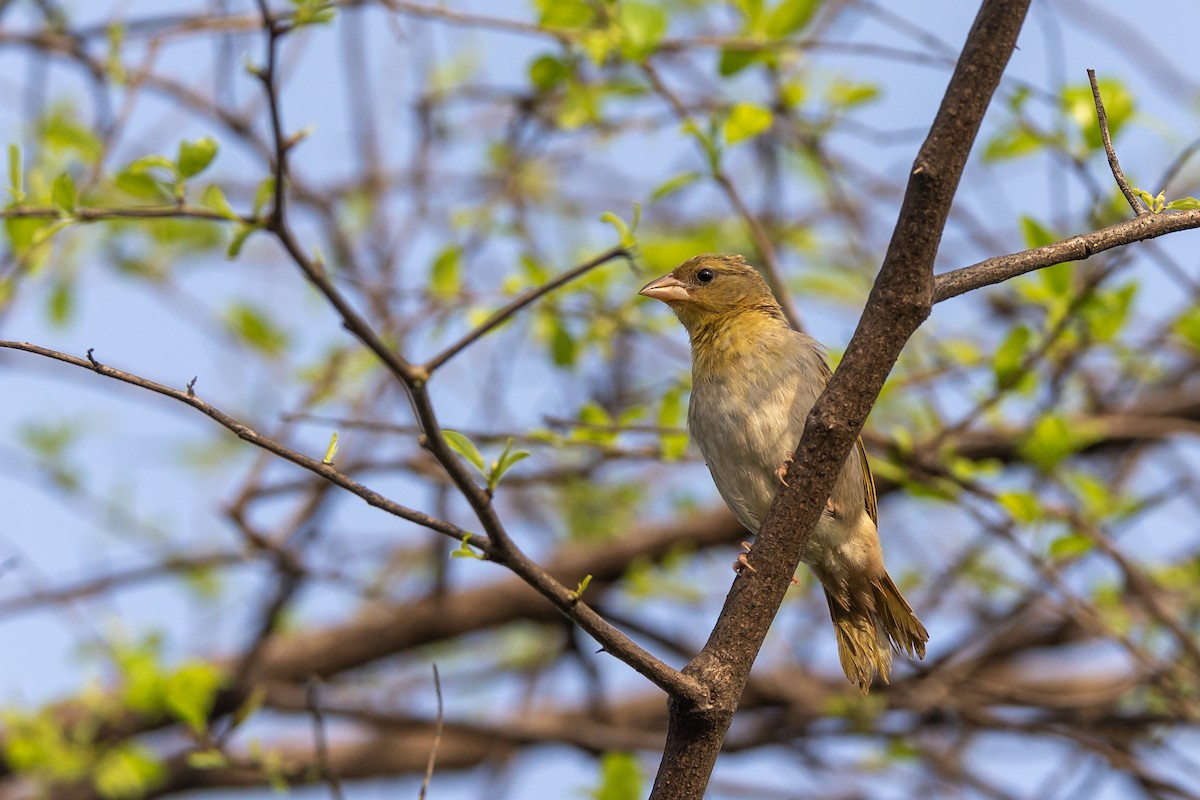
<point>754,380</point>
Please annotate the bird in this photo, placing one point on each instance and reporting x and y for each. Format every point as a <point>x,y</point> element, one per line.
<point>754,381</point>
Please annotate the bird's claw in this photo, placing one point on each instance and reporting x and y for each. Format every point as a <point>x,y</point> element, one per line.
<point>781,473</point>
<point>742,562</point>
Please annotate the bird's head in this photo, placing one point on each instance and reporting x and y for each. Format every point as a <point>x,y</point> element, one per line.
<point>713,287</point>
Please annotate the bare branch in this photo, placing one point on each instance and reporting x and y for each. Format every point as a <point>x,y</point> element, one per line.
<point>1118,175</point>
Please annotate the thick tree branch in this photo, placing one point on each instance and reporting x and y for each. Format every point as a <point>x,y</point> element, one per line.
<point>899,303</point>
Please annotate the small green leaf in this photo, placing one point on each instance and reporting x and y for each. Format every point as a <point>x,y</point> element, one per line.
<point>1036,234</point>
<point>1006,363</point>
<point>745,121</point>
<point>1052,440</point>
<point>673,184</point>
<point>547,72</point>
<point>1021,506</point>
<point>464,550</point>
<point>1183,204</point>
<point>465,448</point>
<point>194,157</point>
<point>1071,545</point>
<point>254,327</point>
<point>1187,326</point>
<point>790,16</point>
<point>190,693</point>
<point>1077,102</point>
<point>213,198</point>
<point>581,587</point>
<point>145,164</point>
<point>62,301</point>
<point>240,236</point>
<point>620,778</point>
<point>142,186</point>
<point>503,464</point>
<point>445,275</point>
<point>563,347</point>
<point>127,772</point>
<point>845,94</point>
<point>1013,142</point>
<point>643,26</point>
<point>673,440</point>
<point>264,193</point>
<point>15,174</point>
<point>64,194</point>
<point>331,451</point>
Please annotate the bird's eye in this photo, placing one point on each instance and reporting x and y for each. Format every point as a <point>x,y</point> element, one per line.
<point>705,275</point>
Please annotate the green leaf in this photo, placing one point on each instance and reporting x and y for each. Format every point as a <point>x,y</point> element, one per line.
<point>16,176</point>
<point>674,184</point>
<point>331,450</point>
<point>563,347</point>
<point>547,72</point>
<point>1036,234</point>
<point>1188,327</point>
<point>127,772</point>
<point>62,301</point>
<point>1052,440</point>
<point>240,236</point>
<point>252,325</point>
<point>1108,311</point>
<point>465,448</point>
<point>464,550</point>
<point>149,163</point>
<point>445,275</point>
<point>194,157</point>
<point>1183,204</point>
<point>643,26</point>
<point>790,16</point>
<point>565,13</point>
<point>581,587</point>
<point>745,121</point>
<point>502,465</point>
<point>264,193</point>
<point>1077,102</point>
<point>214,199</point>
<point>734,61</point>
<point>1013,142</point>
<point>1071,545</point>
<point>64,194</point>
<point>626,233</point>
<point>847,95</point>
<point>142,186</point>
<point>620,778</point>
<point>190,693</point>
<point>1006,363</point>
<point>673,441</point>
<point>1021,506</point>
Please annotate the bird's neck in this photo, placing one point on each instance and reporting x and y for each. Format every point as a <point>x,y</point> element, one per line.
<point>720,341</point>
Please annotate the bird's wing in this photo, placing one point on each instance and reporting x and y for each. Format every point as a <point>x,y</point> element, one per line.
<point>868,482</point>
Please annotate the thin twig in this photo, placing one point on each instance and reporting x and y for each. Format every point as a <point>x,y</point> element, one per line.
<point>437,735</point>
<point>519,302</point>
<point>324,764</point>
<point>1113,164</point>
<point>246,433</point>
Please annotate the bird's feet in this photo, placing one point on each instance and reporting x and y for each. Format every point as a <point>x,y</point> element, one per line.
<point>742,562</point>
<point>781,473</point>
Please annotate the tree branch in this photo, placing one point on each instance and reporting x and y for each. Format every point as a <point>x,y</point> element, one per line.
<point>899,302</point>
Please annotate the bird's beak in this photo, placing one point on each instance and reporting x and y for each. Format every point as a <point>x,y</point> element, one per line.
<point>668,288</point>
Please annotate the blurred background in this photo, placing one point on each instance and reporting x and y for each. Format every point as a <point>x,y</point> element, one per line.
<point>181,611</point>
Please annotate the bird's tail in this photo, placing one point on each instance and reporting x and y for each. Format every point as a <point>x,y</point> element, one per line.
<point>871,620</point>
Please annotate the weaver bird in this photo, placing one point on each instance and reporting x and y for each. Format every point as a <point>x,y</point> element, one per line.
<point>754,380</point>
